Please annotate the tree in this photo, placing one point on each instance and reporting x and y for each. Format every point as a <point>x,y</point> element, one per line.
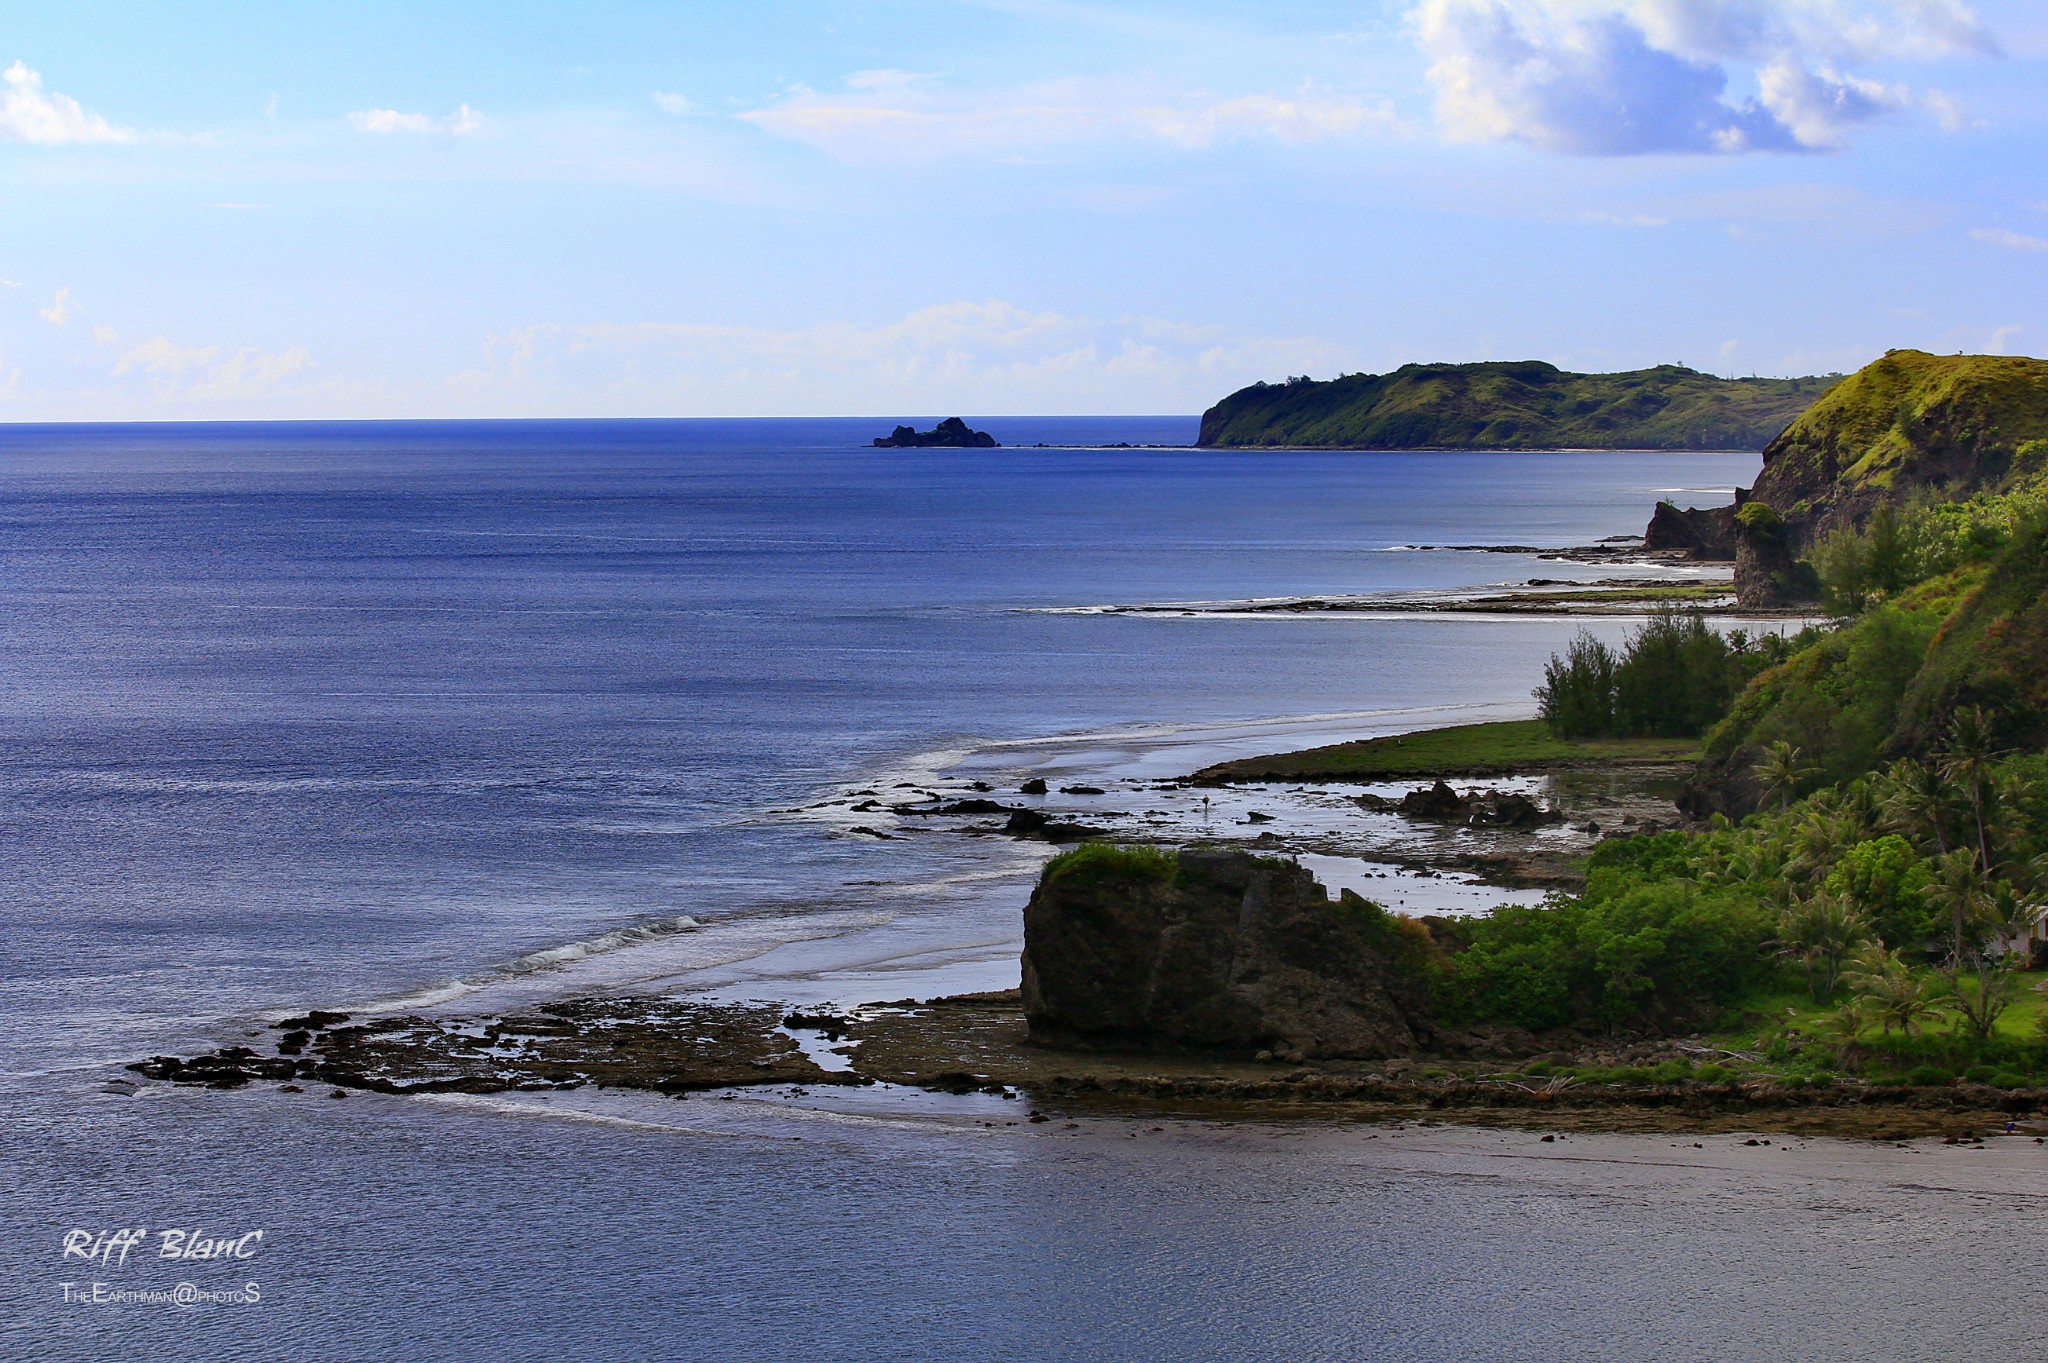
<point>1917,802</point>
<point>1983,914</point>
<point>1893,992</point>
<point>1577,696</point>
<point>1820,933</point>
<point>1781,769</point>
<point>1968,760</point>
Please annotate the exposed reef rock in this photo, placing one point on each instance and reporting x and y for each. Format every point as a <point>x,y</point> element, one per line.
<point>952,433</point>
<point>1219,951</point>
<point>1702,536</point>
<point>1482,809</point>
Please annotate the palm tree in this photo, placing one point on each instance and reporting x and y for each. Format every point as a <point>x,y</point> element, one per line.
<point>1781,769</point>
<point>1962,887</point>
<point>1821,842</point>
<point>1895,994</point>
<point>1916,802</point>
<point>1968,761</point>
<point>1820,934</point>
<point>1984,914</point>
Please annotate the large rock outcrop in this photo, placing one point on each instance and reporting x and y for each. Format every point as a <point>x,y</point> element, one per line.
<point>1702,536</point>
<point>952,433</point>
<point>1216,950</point>
<point>1946,426</point>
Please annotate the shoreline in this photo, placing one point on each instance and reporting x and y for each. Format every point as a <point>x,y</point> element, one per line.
<point>972,1044</point>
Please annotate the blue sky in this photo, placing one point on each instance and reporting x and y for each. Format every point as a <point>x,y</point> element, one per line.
<point>505,209</point>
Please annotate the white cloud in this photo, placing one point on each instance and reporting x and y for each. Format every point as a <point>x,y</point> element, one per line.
<point>462,122</point>
<point>209,372</point>
<point>2011,241</point>
<point>10,283</point>
<point>1620,77</point>
<point>987,357</point>
<point>61,309</point>
<point>890,115</point>
<point>28,113</point>
<point>672,103</point>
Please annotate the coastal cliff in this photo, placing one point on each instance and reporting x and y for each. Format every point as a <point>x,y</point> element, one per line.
<point>1910,425</point>
<point>1217,950</point>
<point>1521,405</point>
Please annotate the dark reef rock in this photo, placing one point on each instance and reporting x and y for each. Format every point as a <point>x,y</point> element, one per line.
<point>1508,809</point>
<point>1702,536</point>
<point>1436,801</point>
<point>1229,952</point>
<point>952,433</point>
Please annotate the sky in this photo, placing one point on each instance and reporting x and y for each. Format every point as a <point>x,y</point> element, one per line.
<point>864,207</point>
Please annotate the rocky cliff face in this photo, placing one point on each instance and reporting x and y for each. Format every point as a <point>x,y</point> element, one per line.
<point>1955,424</point>
<point>1216,951</point>
<point>1702,536</point>
<point>1910,423</point>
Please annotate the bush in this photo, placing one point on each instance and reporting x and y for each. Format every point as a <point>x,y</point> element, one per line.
<point>1629,950</point>
<point>1099,861</point>
<point>1674,678</point>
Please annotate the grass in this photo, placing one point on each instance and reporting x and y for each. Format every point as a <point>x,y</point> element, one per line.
<point>1689,594</point>
<point>1505,748</point>
<point>1794,1036</point>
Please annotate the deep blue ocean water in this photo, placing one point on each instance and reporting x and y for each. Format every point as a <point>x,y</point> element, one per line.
<point>298,715</point>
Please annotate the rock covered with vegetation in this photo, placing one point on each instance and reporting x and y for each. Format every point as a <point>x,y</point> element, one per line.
<point>1906,433</point>
<point>1523,405</point>
<point>1943,612</point>
<point>1142,949</point>
<point>952,433</point>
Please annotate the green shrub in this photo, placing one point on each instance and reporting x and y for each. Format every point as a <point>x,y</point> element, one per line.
<point>1093,862</point>
<point>1673,678</point>
<point>1629,949</point>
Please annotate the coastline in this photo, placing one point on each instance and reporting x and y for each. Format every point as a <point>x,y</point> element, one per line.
<point>792,1015</point>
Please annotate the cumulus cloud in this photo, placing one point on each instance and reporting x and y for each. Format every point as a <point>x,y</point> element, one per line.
<point>671,103</point>
<point>29,113</point>
<point>209,372</point>
<point>61,309</point>
<point>461,123</point>
<point>989,356</point>
<point>1622,77</point>
<point>2011,241</point>
<point>882,115</point>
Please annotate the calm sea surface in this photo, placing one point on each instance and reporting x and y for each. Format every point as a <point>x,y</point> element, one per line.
<point>317,715</point>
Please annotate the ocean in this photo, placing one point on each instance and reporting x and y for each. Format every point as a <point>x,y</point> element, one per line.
<point>386,716</point>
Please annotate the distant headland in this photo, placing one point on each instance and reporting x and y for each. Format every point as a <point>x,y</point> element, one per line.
<point>952,433</point>
<point>1512,405</point>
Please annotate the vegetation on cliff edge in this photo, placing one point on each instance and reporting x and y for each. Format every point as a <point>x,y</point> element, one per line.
<point>1525,405</point>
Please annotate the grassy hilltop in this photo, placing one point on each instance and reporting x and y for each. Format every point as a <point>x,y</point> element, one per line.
<point>1521,405</point>
<point>1943,424</point>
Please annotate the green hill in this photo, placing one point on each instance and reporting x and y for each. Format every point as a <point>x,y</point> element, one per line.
<point>1911,430</point>
<point>1951,424</point>
<point>1520,405</point>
